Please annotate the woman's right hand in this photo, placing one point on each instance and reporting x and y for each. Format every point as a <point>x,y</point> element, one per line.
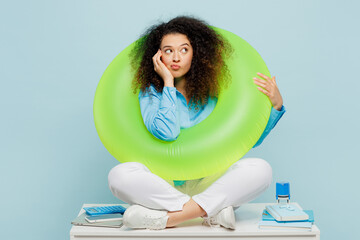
<point>162,70</point>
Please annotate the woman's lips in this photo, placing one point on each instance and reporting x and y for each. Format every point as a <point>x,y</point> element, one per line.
<point>175,67</point>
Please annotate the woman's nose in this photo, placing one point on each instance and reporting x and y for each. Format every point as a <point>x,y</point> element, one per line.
<point>176,57</point>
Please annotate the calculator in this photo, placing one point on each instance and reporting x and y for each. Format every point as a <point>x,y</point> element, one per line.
<point>94,211</point>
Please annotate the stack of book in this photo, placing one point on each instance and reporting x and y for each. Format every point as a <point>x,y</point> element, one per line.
<point>286,216</point>
<point>101,216</point>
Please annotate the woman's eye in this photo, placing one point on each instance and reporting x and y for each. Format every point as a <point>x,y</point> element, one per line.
<point>184,50</point>
<point>167,51</point>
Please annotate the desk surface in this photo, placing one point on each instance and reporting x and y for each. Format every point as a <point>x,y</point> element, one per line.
<point>247,219</point>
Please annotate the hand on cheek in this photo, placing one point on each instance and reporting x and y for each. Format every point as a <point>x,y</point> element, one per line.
<point>162,70</point>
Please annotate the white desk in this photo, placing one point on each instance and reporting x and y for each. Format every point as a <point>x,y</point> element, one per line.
<point>247,219</point>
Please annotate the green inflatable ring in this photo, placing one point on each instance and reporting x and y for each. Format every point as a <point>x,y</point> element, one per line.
<point>213,145</point>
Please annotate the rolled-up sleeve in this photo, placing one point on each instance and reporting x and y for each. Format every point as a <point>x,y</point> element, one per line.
<point>275,116</point>
<point>159,113</point>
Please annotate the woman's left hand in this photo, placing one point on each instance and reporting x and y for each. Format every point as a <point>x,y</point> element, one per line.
<point>268,86</point>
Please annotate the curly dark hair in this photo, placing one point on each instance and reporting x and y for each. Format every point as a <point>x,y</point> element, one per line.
<point>208,72</point>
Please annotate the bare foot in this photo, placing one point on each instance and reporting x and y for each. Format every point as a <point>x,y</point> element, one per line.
<point>190,210</point>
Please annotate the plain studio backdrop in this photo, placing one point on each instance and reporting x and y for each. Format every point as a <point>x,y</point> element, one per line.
<point>53,54</point>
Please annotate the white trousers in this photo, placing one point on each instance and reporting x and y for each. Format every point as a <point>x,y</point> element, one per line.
<point>242,182</point>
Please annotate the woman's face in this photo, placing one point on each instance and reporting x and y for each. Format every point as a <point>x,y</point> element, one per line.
<point>177,53</point>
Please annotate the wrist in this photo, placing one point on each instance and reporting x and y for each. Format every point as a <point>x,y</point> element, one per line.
<point>278,107</point>
<point>169,83</point>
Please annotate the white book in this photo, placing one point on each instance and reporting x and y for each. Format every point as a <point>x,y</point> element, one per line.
<point>307,226</point>
<point>286,212</point>
<point>80,221</point>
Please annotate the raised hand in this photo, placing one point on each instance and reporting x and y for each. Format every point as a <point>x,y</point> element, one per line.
<point>268,86</point>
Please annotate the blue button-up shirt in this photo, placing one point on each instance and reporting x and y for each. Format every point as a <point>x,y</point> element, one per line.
<point>166,113</point>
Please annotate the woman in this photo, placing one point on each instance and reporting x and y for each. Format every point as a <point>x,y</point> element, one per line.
<point>179,72</point>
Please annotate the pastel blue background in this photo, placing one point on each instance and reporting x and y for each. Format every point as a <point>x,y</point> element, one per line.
<point>52,55</point>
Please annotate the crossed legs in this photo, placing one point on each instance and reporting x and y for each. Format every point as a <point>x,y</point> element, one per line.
<point>135,184</point>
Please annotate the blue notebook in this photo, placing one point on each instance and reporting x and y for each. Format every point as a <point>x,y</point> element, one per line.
<point>267,216</point>
<point>286,212</point>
